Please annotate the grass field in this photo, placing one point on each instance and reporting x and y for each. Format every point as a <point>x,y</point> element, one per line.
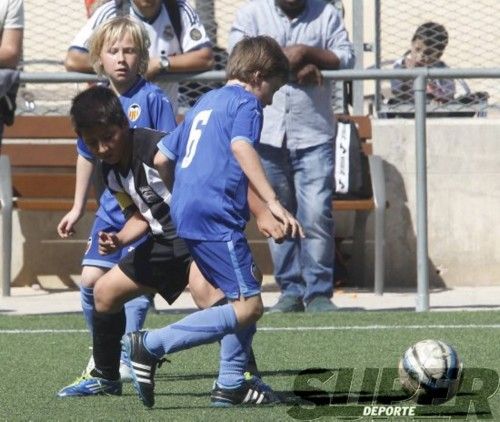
<point>342,363</point>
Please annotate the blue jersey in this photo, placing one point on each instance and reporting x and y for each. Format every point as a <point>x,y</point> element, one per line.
<point>146,106</point>
<point>209,198</point>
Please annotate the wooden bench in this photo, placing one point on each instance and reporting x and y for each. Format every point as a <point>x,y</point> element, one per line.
<point>37,172</point>
<point>362,208</point>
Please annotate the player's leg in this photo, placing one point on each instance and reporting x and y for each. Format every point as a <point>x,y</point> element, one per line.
<point>111,291</point>
<point>216,262</point>
<point>94,266</point>
<point>89,276</point>
<point>232,388</point>
<point>205,296</point>
<point>137,308</point>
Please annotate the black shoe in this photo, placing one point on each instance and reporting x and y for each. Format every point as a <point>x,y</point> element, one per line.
<point>143,366</point>
<point>250,393</point>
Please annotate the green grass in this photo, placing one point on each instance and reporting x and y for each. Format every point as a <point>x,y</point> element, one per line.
<point>34,366</point>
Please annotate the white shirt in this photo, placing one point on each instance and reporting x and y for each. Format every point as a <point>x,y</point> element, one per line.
<point>11,14</point>
<point>161,34</point>
<point>302,113</point>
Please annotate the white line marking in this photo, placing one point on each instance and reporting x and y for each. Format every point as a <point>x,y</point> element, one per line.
<point>44,331</point>
<point>315,328</point>
<point>378,327</point>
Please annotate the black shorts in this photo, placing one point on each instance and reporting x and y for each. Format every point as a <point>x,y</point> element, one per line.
<point>161,264</point>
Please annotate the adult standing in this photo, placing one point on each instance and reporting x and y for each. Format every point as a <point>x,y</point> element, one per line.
<point>297,140</point>
<point>179,42</point>
<point>11,47</point>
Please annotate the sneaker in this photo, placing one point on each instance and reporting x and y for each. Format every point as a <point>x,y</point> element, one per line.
<point>287,303</point>
<point>125,371</point>
<point>142,365</point>
<point>320,304</point>
<point>257,379</point>
<point>250,393</point>
<point>90,364</point>
<point>88,385</point>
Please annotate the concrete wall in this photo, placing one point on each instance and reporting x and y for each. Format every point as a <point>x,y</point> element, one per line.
<point>463,162</point>
<point>39,256</point>
<point>463,212</point>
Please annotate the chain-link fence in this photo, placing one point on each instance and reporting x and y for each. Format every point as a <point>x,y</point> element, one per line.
<point>50,27</point>
<point>438,33</point>
<point>390,25</point>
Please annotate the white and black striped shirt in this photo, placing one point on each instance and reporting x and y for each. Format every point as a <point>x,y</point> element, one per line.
<point>140,187</point>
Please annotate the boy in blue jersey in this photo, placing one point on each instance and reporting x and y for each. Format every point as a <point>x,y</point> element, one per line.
<point>118,50</point>
<point>215,164</point>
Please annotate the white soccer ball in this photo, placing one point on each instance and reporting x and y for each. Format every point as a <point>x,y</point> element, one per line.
<point>430,371</point>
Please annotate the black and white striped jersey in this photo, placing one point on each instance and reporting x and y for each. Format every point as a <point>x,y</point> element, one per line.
<point>140,187</point>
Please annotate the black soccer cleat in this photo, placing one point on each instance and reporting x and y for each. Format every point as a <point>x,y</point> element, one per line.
<point>143,366</point>
<point>250,393</point>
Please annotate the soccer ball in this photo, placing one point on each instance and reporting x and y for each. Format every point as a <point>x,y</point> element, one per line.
<point>430,371</point>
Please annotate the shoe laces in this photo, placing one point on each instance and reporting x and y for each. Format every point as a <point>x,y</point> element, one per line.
<point>85,376</point>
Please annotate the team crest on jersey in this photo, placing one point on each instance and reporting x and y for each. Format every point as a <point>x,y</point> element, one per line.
<point>195,34</point>
<point>134,111</point>
<point>168,32</point>
<point>149,195</point>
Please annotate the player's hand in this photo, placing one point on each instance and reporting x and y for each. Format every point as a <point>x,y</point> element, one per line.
<point>66,226</point>
<point>309,75</point>
<point>108,243</point>
<point>291,226</point>
<point>269,226</point>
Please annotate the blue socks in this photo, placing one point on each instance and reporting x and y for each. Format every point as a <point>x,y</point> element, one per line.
<point>234,354</point>
<point>135,313</point>
<point>87,301</point>
<point>135,309</point>
<point>201,327</point>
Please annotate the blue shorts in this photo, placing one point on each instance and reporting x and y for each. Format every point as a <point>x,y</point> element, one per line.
<point>92,257</point>
<point>227,265</point>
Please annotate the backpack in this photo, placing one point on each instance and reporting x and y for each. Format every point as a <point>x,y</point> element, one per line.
<point>351,174</point>
<point>9,84</point>
<point>123,9</point>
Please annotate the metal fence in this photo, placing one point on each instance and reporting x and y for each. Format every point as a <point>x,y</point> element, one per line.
<point>457,34</point>
<point>50,27</point>
<point>384,27</point>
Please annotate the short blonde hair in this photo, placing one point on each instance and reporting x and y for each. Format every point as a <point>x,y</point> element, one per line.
<point>112,31</point>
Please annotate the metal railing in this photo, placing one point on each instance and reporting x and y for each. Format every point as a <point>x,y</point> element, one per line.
<point>419,75</point>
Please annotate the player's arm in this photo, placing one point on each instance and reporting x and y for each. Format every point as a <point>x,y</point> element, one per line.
<point>135,227</point>
<point>166,169</point>
<point>250,163</point>
<point>267,224</point>
<point>84,170</point>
